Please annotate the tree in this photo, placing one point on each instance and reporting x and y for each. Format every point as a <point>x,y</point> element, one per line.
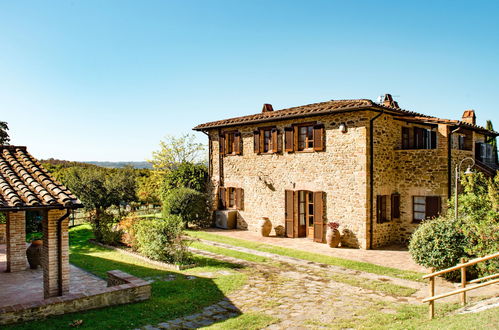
<point>186,175</point>
<point>149,187</point>
<point>177,150</point>
<point>493,141</point>
<point>4,135</point>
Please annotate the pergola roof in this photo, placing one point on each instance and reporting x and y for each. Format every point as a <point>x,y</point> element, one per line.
<point>25,184</point>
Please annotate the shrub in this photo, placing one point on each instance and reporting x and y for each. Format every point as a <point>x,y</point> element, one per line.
<point>3,218</point>
<point>190,205</point>
<point>161,239</point>
<point>439,243</point>
<point>127,225</point>
<point>105,228</point>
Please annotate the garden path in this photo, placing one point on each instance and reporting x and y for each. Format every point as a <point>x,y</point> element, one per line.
<point>298,295</point>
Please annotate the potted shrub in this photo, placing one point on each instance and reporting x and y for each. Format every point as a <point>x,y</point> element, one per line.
<point>333,235</point>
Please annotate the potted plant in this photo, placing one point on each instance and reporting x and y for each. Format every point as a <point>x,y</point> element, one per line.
<point>333,235</point>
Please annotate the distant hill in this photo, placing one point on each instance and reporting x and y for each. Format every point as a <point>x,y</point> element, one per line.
<point>122,164</point>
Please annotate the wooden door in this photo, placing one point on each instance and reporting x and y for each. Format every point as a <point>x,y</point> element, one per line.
<point>289,213</point>
<point>318,216</point>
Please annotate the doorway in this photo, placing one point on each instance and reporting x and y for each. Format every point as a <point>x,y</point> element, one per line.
<point>304,214</point>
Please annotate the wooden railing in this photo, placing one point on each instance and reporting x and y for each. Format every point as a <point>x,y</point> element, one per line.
<point>462,266</point>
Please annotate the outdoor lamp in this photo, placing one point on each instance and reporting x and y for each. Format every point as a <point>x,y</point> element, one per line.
<point>343,128</point>
<point>468,171</point>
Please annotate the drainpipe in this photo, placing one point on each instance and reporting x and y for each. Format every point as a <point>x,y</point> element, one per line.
<point>59,249</point>
<point>371,177</point>
<point>449,162</point>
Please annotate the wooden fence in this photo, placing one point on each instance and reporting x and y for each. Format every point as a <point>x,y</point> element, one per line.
<point>491,279</point>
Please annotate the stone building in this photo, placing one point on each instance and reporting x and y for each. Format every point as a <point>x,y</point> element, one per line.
<point>376,169</point>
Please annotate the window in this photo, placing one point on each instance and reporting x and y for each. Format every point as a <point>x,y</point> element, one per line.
<point>381,208</point>
<point>230,198</point>
<point>425,207</point>
<point>230,143</point>
<point>484,152</point>
<point>304,137</point>
<point>395,206</point>
<point>418,138</point>
<point>266,140</point>
<point>231,192</point>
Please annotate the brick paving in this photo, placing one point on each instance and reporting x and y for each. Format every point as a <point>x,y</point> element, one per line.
<point>27,286</point>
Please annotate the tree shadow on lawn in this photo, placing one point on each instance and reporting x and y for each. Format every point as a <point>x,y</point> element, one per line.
<point>170,299</point>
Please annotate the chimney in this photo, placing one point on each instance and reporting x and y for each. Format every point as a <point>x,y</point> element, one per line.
<point>389,102</point>
<point>469,117</point>
<point>267,107</point>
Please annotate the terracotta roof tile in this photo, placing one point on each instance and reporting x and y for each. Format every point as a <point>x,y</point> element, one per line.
<point>326,108</point>
<point>25,184</point>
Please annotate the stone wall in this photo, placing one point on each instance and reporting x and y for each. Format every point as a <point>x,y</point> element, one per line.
<point>123,289</point>
<point>340,171</point>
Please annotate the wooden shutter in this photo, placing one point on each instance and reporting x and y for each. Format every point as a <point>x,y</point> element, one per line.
<point>432,206</point>
<point>240,198</point>
<point>275,144</point>
<point>221,143</point>
<point>237,143</point>
<point>289,139</point>
<point>395,206</point>
<point>222,198</point>
<point>318,216</point>
<point>319,137</point>
<point>256,141</point>
<point>289,213</point>
<point>433,140</point>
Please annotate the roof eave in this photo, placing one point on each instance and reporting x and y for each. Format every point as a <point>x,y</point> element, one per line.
<point>39,207</point>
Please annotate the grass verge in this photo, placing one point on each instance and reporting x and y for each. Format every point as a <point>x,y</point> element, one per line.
<point>310,256</point>
<point>374,285</point>
<point>169,300</point>
<point>228,252</point>
<point>249,321</point>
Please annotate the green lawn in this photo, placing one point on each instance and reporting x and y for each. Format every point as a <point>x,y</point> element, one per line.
<point>310,256</point>
<point>169,300</point>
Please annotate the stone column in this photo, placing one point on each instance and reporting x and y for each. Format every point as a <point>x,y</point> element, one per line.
<point>16,241</point>
<point>50,256</point>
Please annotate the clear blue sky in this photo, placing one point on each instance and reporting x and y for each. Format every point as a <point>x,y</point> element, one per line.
<point>106,80</point>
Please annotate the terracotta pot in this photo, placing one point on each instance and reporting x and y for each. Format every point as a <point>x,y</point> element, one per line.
<point>265,226</point>
<point>333,237</point>
<point>34,254</point>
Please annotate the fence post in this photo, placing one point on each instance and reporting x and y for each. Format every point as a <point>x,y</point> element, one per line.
<point>432,293</point>
<point>463,283</point>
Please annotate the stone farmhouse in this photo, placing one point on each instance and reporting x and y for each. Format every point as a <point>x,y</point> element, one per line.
<point>376,169</point>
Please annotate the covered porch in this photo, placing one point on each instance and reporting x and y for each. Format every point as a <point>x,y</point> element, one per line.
<point>24,287</point>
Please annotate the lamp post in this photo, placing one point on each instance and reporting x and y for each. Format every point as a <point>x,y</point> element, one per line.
<point>467,172</point>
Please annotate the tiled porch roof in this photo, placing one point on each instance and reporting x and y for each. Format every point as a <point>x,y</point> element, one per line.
<point>327,108</point>
<point>25,184</point>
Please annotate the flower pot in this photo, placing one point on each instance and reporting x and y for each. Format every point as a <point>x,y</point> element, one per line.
<point>34,253</point>
<point>333,237</point>
<point>265,226</point>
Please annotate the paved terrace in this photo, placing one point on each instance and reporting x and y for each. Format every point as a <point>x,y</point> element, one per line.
<point>390,256</point>
<point>27,286</point>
